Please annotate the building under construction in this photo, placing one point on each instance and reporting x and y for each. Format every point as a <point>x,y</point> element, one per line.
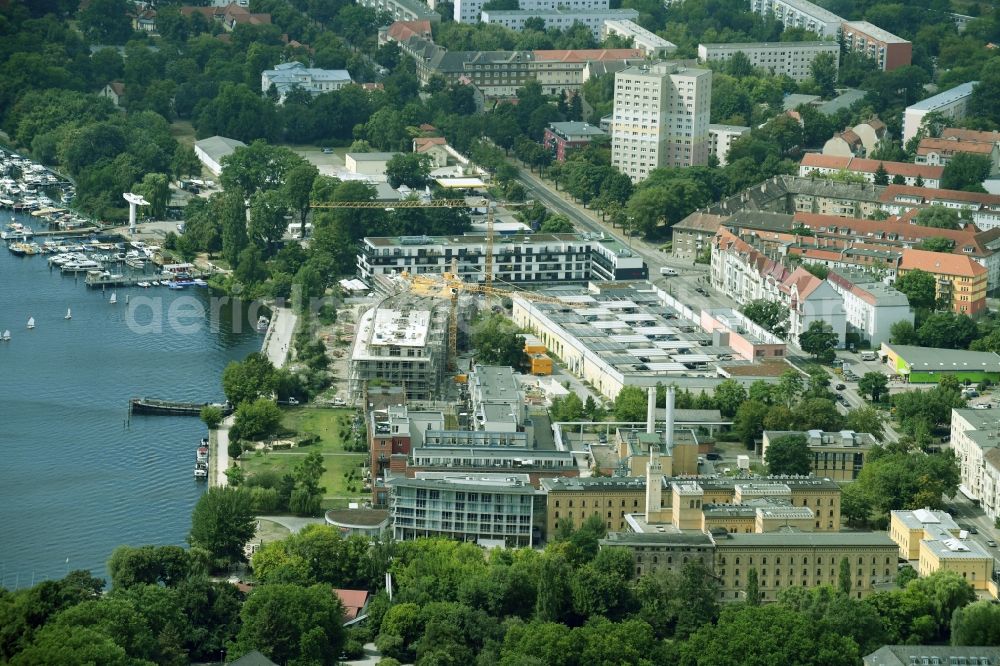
<point>402,341</point>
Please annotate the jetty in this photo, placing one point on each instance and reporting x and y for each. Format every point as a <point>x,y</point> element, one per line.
<point>97,281</point>
<point>156,407</point>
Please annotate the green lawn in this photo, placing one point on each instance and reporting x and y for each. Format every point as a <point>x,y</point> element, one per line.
<point>326,423</point>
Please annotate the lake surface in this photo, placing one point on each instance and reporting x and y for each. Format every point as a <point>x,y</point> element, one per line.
<point>77,476</point>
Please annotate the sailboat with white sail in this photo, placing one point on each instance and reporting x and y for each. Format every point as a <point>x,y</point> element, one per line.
<point>114,298</point>
<point>69,313</point>
<point>31,322</point>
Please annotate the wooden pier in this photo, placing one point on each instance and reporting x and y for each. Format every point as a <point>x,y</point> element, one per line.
<point>98,282</point>
<point>154,407</point>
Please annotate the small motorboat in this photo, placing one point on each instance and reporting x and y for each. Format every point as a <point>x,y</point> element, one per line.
<point>155,283</point>
<point>31,322</point>
<point>200,473</point>
<point>144,285</point>
<point>69,313</point>
<point>262,323</point>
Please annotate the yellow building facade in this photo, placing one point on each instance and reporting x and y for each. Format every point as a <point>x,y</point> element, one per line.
<point>576,499</point>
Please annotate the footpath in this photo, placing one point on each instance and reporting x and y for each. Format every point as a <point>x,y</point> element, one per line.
<point>278,339</point>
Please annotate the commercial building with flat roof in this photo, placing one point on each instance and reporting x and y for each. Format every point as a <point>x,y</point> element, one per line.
<point>885,48</point>
<point>651,44</point>
<point>922,365</point>
<point>800,14</point>
<point>834,455</point>
<point>500,508</point>
<point>908,528</point>
<point>560,19</point>
<point>938,655</point>
<point>793,59</point>
<point>519,259</point>
<point>214,149</point>
<point>952,103</point>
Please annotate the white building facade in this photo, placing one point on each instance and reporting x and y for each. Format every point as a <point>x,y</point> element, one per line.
<point>470,11</point>
<point>871,306</point>
<point>721,139</point>
<point>800,14</point>
<point>953,103</point>
<point>289,75</point>
<point>648,42</point>
<point>560,19</point>
<point>660,119</point>
<point>793,59</point>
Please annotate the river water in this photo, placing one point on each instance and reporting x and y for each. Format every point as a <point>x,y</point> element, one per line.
<point>77,476</point>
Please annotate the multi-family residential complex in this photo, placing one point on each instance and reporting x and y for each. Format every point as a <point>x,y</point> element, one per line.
<point>403,10</point>
<point>536,258</point>
<point>491,509</point>
<point>721,139</point>
<point>801,14</point>
<point>913,174</point>
<point>859,140</point>
<point>953,103</point>
<point>934,540</point>
<point>983,208</point>
<point>648,42</point>
<point>838,456</point>
<point>790,58</point>
<point>975,439</point>
<point>885,48</point>
<point>692,236</point>
<point>469,11</point>
<point>501,73</point>
<point>563,137</point>
<point>289,75</point>
<point>560,19</point>
<point>870,305</point>
<point>661,118</point>
<point>401,342</point>
<point>959,280</point>
<point>939,150</point>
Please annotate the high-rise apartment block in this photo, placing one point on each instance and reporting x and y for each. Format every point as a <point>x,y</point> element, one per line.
<point>800,14</point>
<point>661,117</point>
<point>791,58</point>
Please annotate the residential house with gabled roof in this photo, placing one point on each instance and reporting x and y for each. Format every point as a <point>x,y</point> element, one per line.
<point>115,91</point>
<point>812,299</point>
<point>940,150</point>
<point>230,16</point>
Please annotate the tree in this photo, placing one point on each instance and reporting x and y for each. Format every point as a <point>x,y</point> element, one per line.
<point>936,244</point>
<point>557,224</point>
<point>947,330</point>
<point>898,480</point>
<point>815,414</point>
<point>554,582</point>
<point>155,187</point>
<point>107,21</point>
<point>257,420</point>
<point>919,288</point>
<point>855,505</point>
<point>844,577</point>
<point>749,421</point>
<point>788,454</point>
<point>267,217</point>
<point>789,386</point>
<point>257,167</point>
<point>866,419</point>
<point>819,340</point>
<point>497,343</point>
<point>753,589</point>
<point>728,396</point>
<point>185,162</point>
<point>966,171</point>
<point>292,624</point>
<point>630,404</point>
<point>148,565</point>
<point>297,191</point>
<point>772,315</point>
<point>211,416</point>
<point>976,624</point>
<point>938,217</point>
<point>881,175</point>
<point>824,74</point>
<point>410,169</point>
<point>873,384</point>
<point>230,209</point>
<point>568,408</point>
<point>903,333</point>
<point>249,379</point>
<point>222,523</point>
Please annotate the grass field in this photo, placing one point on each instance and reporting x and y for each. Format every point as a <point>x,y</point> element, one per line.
<point>327,424</point>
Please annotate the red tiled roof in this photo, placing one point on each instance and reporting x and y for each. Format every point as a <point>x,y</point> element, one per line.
<point>118,87</point>
<point>850,137</point>
<point>970,135</point>
<point>857,164</point>
<point>583,55</point>
<point>941,263</point>
<point>423,144</point>
<point>929,195</point>
<point>353,600</point>
<point>877,232</point>
<point>929,145</point>
<point>804,282</point>
<point>401,31</point>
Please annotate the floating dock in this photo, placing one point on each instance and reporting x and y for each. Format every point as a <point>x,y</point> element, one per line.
<point>96,281</point>
<point>153,406</point>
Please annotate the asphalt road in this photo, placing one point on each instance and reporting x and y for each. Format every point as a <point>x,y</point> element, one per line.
<point>965,514</point>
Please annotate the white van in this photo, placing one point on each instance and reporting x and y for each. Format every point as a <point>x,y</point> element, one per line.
<point>669,272</point>
<point>868,356</point>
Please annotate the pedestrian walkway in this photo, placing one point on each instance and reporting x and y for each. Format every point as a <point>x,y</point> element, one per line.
<point>278,339</point>
<point>221,453</point>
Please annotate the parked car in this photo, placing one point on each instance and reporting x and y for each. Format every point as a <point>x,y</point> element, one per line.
<point>293,401</point>
<point>840,387</point>
<point>669,272</point>
<point>713,456</point>
<point>991,543</point>
<point>602,438</point>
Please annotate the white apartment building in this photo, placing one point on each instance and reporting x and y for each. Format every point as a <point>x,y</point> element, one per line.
<point>470,11</point>
<point>721,139</point>
<point>811,299</point>
<point>403,10</point>
<point>289,75</point>
<point>661,118</point>
<point>651,44</point>
<point>560,19</point>
<point>790,58</point>
<point>800,14</point>
<point>975,437</point>
<point>953,103</point>
<point>871,306</point>
<point>545,258</point>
